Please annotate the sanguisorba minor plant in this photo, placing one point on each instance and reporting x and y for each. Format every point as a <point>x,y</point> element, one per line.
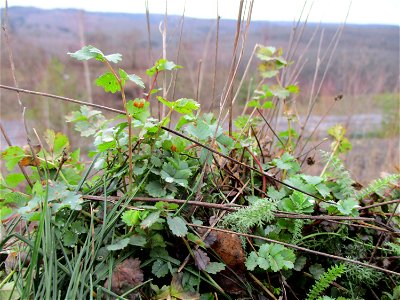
<point>186,211</point>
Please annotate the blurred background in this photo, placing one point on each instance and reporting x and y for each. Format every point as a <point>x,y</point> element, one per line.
<point>357,62</point>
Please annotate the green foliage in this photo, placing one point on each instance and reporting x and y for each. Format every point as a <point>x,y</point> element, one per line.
<point>377,186</point>
<point>259,212</point>
<point>325,280</point>
<point>96,229</point>
<point>343,180</point>
<point>341,143</point>
<point>89,52</point>
<point>273,257</point>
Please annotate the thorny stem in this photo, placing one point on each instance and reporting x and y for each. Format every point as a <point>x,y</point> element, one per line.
<point>129,120</point>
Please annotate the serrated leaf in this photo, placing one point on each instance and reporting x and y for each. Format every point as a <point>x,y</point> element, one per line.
<point>78,227</point>
<point>159,268</point>
<point>323,190</point>
<point>186,106</point>
<point>155,189</point>
<point>132,77</point>
<point>12,155</point>
<point>201,131</point>
<point>108,82</point>
<point>150,219</point>
<point>177,225</point>
<point>121,244</point>
<point>137,240</point>
<point>69,238</point>
<point>86,53</point>
<point>251,261</point>
<point>131,217</point>
<point>165,102</point>
<point>214,267</point>
<point>297,202</point>
<point>348,207</point>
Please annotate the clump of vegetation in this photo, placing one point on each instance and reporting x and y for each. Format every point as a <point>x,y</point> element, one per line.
<point>185,210</point>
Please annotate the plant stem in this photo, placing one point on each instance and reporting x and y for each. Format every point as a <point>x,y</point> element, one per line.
<point>129,120</point>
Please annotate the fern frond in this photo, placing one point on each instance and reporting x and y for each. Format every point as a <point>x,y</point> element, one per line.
<point>341,174</point>
<point>325,280</point>
<point>298,231</point>
<point>258,213</point>
<point>377,185</point>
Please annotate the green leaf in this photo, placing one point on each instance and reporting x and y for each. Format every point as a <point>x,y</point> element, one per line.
<point>316,270</point>
<point>273,257</point>
<point>214,267</point>
<point>108,82</point>
<point>14,179</point>
<point>300,263</point>
<point>337,131</point>
<point>348,207</point>
<point>12,156</point>
<point>254,103</point>
<point>155,189</point>
<point>165,102</point>
<point>78,227</point>
<point>294,89</point>
<point>162,65</point>
<point>132,77</point>
<point>323,190</point>
<point>251,261</point>
<point>201,131</point>
<point>195,239</point>
<point>279,92</point>
<point>268,105</point>
<point>297,202</point>
<point>86,53</point>
<point>5,211</point>
<point>121,244</point>
<point>89,52</point>
<point>70,238</point>
<point>150,219</point>
<point>10,291</point>
<point>137,240</point>
<point>131,217</point>
<point>160,268</point>
<point>177,225</point>
<point>56,141</point>
<point>139,109</point>
<point>186,106</point>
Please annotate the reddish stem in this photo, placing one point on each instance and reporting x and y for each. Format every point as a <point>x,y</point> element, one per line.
<point>152,86</point>
<point>264,178</point>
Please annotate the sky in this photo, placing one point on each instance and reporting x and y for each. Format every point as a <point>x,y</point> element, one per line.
<point>328,11</point>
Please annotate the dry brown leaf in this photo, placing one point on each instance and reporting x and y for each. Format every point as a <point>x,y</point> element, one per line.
<point>126,276</point>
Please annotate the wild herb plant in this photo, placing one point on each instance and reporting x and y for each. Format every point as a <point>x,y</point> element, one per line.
<point>157,212</point>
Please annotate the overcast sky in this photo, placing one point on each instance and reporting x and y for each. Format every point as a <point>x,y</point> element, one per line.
<point>361,11</point>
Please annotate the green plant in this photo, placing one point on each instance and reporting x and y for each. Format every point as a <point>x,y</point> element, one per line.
<point>131,223</point>
<point>325,280</point>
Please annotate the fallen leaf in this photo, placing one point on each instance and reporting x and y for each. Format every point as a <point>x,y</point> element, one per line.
<point>126,276</point>
<point>201,259</point>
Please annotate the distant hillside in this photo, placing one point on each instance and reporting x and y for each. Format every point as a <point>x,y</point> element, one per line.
<point>366,60</point>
